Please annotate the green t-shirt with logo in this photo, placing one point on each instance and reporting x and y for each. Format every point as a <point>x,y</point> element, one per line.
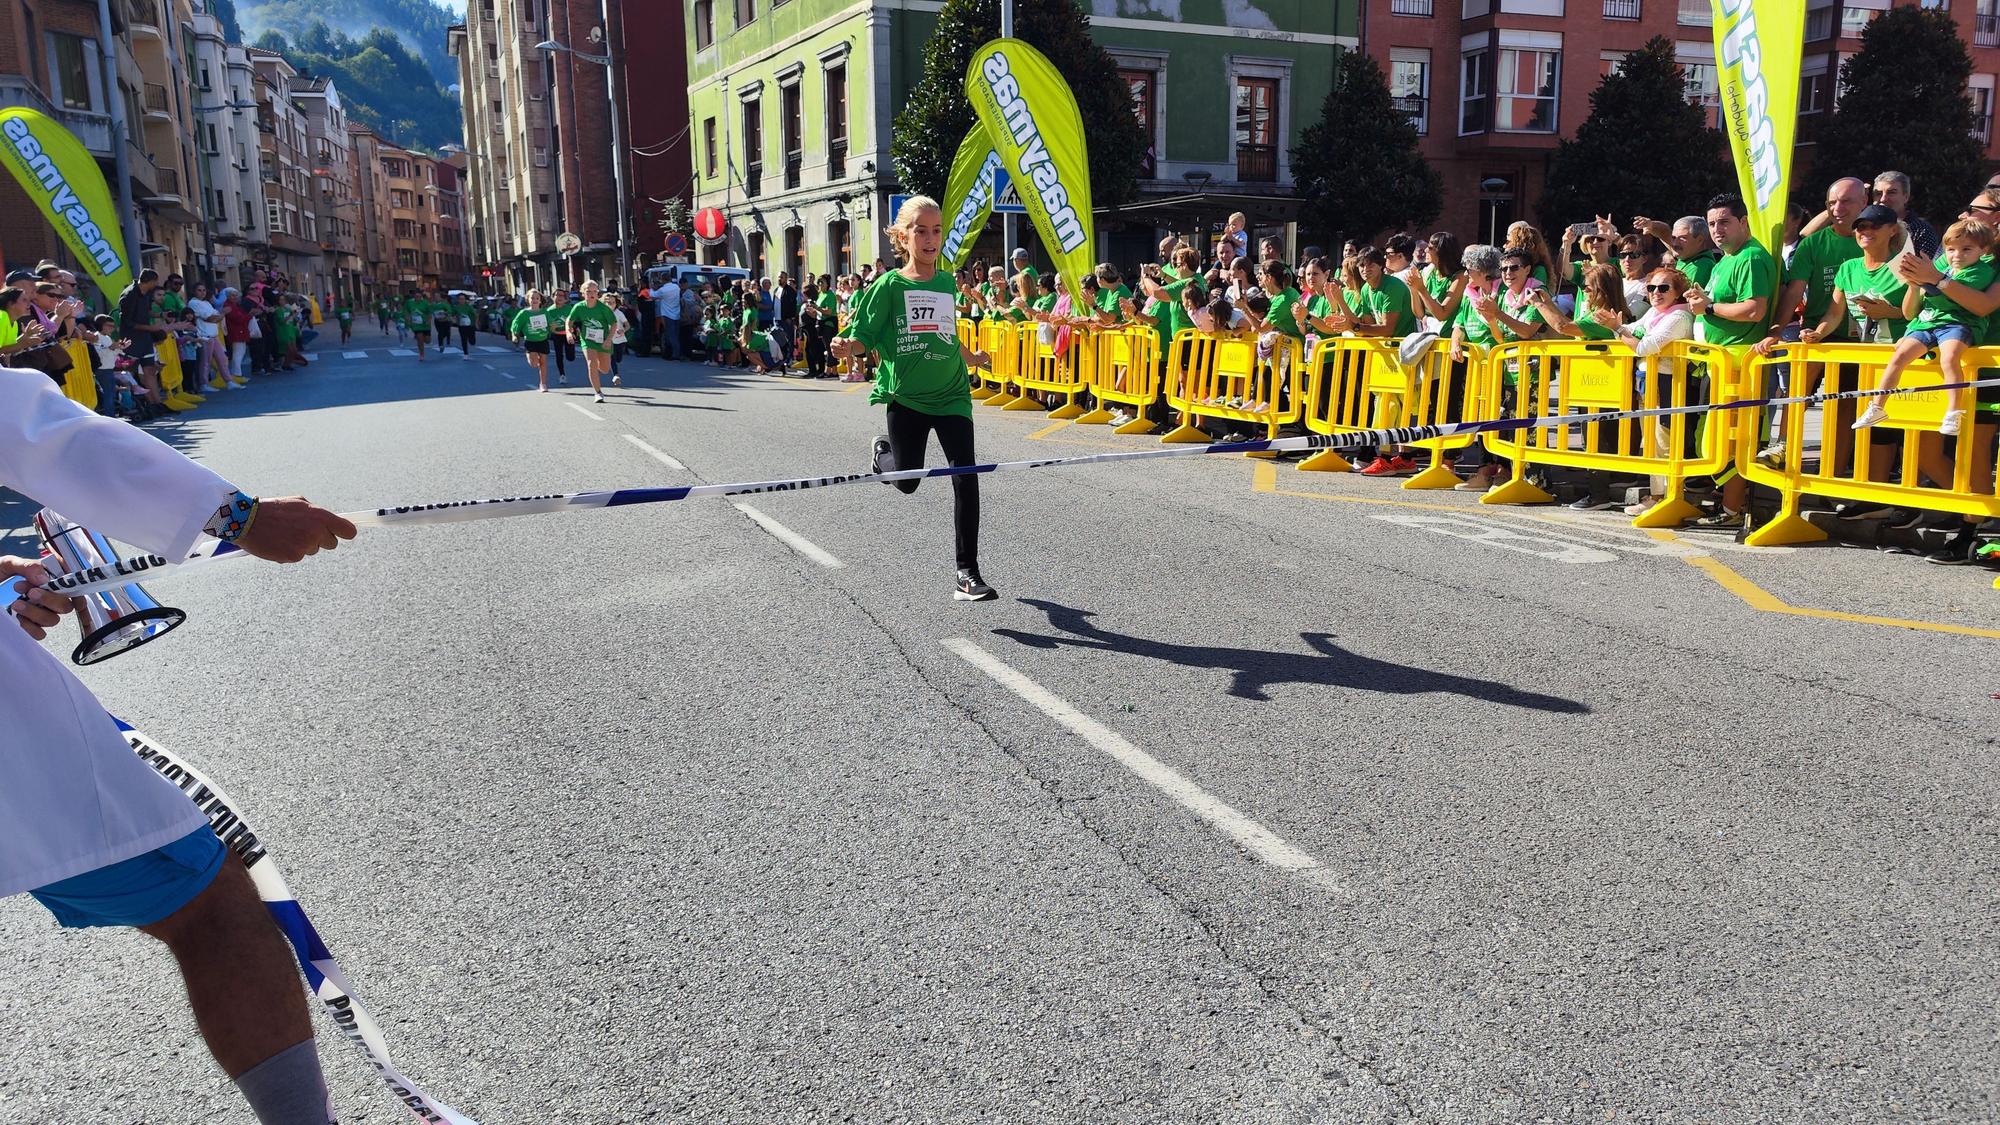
<point>1471,325</point>
<point>1584,319</point>
<point>417,314</point>
<point>1854,279</point>
<point>1701,267</point>
<point>531,325</point>
<point>1939,310</point>
<point>344,314</point>
<point>1107,299</point>
<point>1284,314</point>
<point>1391,300</point>
<point>909,324</point>
<point>1749,273</point>
<point>1816,260</point>
<point>592,325</point>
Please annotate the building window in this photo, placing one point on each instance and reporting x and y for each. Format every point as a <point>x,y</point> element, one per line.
<point>755,244</point>
<point>1410,7</point>
<point>1702,86</point>
<point>795,252</point>
<point>1812,93</point>
<point>71,72</point>
<point>1986,23</point>
<point>704,24</point>
<point>399,198</point>
<point>791,124</point>
<point>1474,85</point>
<point>1695,13</point>
<point>1410,84</point>
<point>1982,108</point>
<point>839,253</point>
<point>753,147</point>
<point>249,216</point>
<point>1856,15</point>
<point>1144,86</point>
<point>1257,130</point>
<point>1527,94</point>
<point>836,122</point>
<point>708,143</point>
<point>746,10</point>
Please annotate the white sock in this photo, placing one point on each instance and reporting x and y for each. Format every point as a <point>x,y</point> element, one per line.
<point>288,1088</point>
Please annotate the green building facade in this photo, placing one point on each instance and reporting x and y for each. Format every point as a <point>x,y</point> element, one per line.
<point>792,107</point>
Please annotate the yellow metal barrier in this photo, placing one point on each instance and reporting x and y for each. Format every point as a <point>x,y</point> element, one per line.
<point>1562,377</point>
<point>1353,382</point>
<point>1211,376</point>
<point>1002,345</point>
<point>1858,466</point>
<point>1044,371</point>
<point>80,381</point>
<point>1126,369</point>
<point>968,338</point>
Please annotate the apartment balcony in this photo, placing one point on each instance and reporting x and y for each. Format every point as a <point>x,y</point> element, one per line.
<point>1257,164</point>
<point>1986,30</point>
<point>158,107</point>
<point>1411,7</point>
<point>1416,109</point>
<point>166,200</point>
<point>795,162</point>
<point>836,159</point>
<point>1621,9</point>
<point>145,177</point>
<point>1982,127</point>
<point>93,129</point>
<point>753,180</point>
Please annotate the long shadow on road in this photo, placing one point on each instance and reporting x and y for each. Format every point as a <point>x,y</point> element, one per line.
<point>1254,670</point>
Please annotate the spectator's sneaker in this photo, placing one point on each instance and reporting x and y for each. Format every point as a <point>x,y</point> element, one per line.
<point>1954,421</point>
<point>1379,467</point>
<point>972,588</point>
<point>1906,519</point>
<point>1593,504</point>
<point>1773,453</point>
<point>1957,550</point>
<point>1725,520</point>
<point>213,384</point>
<point>235,381</point>
<point>1401,466</point>
<point>1642,507</point>
<point>1875,413</point>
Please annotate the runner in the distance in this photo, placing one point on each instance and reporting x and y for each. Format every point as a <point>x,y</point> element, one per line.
<point>907,318</point>
<point>530,329</point>
<point>417,315</point>
<point>590,325</point>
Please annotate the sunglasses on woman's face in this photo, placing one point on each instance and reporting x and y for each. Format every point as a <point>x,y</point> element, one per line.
<point>1630,254</point>
<point>1659,288</point>
<point>1510,269</point>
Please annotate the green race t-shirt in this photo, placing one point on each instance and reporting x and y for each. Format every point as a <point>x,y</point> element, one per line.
<point>1390,299</point>
<point>1815,261</point>
<point>1592,330</point>
<point>1107,299</point>
<point>531,324</point>
<point>1701,267</point>
<point>1284,314</point>
<point>909,324</point>
<point>1855,279</point>
<point>417,314</point>
<point>760,342</point>
<point>592,325</point>
<point>1471,324</point>
<point>1939,310</point>
<point>1750,272</point>
<point>345,315</point>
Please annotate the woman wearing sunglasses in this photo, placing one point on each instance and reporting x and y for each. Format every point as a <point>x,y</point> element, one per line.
<point>1637,255</point>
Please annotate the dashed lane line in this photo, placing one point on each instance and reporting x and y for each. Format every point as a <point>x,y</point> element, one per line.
<point>585,413</point>
<point>1246,833</point>
<point>791,538</point>
<point>655,454</point>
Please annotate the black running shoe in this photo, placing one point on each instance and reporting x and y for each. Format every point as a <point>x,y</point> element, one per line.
<point>879,454</point>
<point>971,588</point>
<point>1957,551</point>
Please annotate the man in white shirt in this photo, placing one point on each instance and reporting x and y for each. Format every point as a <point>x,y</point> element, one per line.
<point>667,302</point>
<point>96,835</point>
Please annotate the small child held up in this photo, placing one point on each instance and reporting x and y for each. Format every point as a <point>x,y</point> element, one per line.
<point>1940,323</point>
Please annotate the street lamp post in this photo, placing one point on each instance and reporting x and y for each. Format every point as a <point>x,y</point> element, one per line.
<point>550,46</point>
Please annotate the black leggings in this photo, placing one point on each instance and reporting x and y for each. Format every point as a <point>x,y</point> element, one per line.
<point>909,435</point>
<point>465,338</point>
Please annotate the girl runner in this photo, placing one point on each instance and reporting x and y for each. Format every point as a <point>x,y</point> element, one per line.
<point>620,328</point>
<point>590,326</point>
<point>907,317</point>
<point>530,329</point>
<point>417,316</point>
<point>443,319</point>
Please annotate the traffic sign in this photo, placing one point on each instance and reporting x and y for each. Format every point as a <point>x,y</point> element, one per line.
<point>567,243</point>
<point>709,225</point>
<point>677,243</point>
<point>1006,201</point>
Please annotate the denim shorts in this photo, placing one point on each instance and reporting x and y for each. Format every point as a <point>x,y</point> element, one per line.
<point>139,891</point>
<point>1930,338</point>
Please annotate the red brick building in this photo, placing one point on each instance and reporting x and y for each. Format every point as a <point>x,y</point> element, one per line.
<point>581,109</point>
<point>652,61</point>
<point>1494,84</point>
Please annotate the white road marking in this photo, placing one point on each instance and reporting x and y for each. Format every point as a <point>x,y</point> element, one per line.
<point>585,413</point>
<point>1493,535</point>
<point>1251,836</point>
<point>791,538</point>
<point>401,351</point>
<point>656,455</point>
<point>492,348</point>
<point>311,357</point>
<point>354,355</point>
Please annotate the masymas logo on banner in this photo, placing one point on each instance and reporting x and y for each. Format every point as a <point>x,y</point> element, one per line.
<point>1031,120</point>
<point>1758,44</point>
<point>60,175</point>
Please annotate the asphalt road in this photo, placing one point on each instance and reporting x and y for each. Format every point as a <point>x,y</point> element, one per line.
<point>1259,796</point>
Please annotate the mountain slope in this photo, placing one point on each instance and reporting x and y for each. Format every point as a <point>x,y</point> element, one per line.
<point>420,24</point>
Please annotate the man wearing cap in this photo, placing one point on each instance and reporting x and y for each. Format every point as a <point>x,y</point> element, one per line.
<point>1808,288</point>
<point>1021,266</point>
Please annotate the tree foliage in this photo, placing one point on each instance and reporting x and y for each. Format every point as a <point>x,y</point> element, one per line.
<point>1645,149</point>
<point>1903,107</point>
<point>938,114</point>
<point>420,24</point>
<point>382,84</point>
<point>1358,168</point>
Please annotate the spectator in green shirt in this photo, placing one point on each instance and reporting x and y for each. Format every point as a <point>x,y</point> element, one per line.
<point>1808,290</point>
<point>1731,310</point>
<point>1693,244</point>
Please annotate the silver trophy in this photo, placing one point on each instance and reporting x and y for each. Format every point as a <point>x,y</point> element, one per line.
<point>113,620</point>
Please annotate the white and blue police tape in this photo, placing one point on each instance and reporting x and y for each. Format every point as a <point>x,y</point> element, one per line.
<point>118,572</point>
<point>328,983</point>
